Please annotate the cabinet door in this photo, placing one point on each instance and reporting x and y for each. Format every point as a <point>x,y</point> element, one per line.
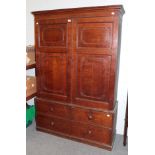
<point>94,61</point>
<point>52,59</point>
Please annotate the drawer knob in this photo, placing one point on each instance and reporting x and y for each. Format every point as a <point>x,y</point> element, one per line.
<point>113,13</point>
<point>52,123</point>
<point>90,117</point>
<point>52,109</point>
<point>89,132</point>
<point>37,23</point>
<point>69,20</point>
<point>108,115</point>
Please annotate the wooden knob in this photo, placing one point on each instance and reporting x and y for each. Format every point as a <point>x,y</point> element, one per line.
<point>89,132</point>
<point>90,117</point>
<point>69,20</point>
<point>108,115</point>
<point>52,109</point>
<point>52,123</point>
<point>113,13</point>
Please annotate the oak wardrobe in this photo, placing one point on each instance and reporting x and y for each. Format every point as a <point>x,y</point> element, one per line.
<point>77,61</point>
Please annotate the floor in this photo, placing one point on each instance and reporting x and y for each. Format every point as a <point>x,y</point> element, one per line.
<point>39,143</point>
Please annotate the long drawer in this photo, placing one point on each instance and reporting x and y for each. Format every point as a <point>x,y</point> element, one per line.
<point>76,130</point>
<point>79,114</point>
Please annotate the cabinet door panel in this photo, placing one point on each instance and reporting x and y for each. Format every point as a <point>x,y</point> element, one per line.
<point>95,33</point>
<point>53,76</point>
<point>93,76</point>
<point>94,62</point>
<point>52,35</point>
<point>98,35</point>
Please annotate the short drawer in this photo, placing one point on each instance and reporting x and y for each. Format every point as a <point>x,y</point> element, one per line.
<point>91,116</point>
<point>53,123</point>
<point>49,108</point>
<point>92,133</point>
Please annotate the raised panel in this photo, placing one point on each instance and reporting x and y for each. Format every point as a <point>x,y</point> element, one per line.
<point>96,35</point>
<point>93,77</point>
<point>54,73</point>
<point>52,35</point>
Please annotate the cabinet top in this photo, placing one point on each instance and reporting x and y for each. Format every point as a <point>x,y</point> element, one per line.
<point>118,9</point>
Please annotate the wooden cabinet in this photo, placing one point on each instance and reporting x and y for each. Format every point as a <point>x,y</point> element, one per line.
<point>77,57</point>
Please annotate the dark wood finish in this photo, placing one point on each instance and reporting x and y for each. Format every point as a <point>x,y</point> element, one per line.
<point>52,109</point>
<point>53,123</point>
<point>53,76</point>
<point>78,139</point>
<point>126,125</point>
<point>77,57</point>
<point>92,133</point>
<point>92,116</point>
<point>76,113</point>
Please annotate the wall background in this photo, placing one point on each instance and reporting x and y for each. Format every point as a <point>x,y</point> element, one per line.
<point>36,5</point>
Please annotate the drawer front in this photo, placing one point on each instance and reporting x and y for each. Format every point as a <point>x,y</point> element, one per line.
<point>49,108</point>
<point>92,133</point>
<point>91,116</point>
<point>54,124</point>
